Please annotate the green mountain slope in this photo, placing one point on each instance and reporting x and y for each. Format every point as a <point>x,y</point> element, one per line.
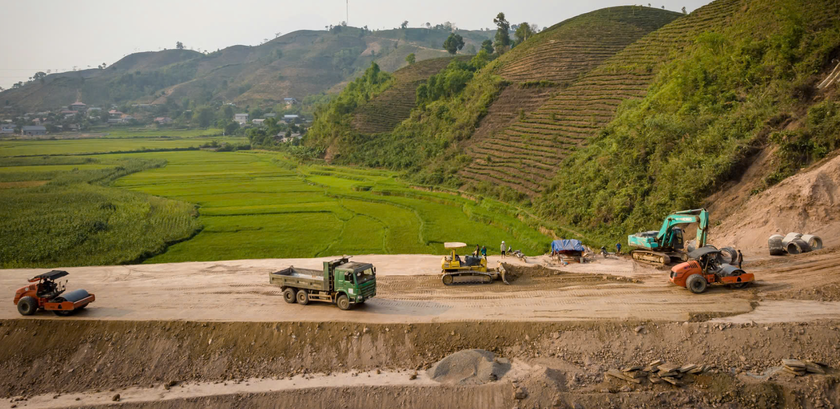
<point>494,96</point>
<point>746,85</point>
<point>525,155</point>
<point>294,65</point>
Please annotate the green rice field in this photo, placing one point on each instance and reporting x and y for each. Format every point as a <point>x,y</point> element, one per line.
<point>173,206</point>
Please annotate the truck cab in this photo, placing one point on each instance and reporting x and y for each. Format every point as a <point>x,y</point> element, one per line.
<point>356,280</point>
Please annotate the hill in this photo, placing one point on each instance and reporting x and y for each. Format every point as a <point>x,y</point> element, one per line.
<point>742,89</point>
<point>525,155</point>
<point>294,65</point>
<point>496,93</point>
<point>394,105</point>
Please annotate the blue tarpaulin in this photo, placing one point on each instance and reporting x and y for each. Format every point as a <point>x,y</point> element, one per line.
<point>566,245</point>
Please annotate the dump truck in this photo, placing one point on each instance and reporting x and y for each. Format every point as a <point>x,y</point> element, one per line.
<point>469,269</point>
<point>659,247</point>
<point>342,282</point>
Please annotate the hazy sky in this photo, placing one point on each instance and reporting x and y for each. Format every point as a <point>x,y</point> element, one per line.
<point>41,35</point>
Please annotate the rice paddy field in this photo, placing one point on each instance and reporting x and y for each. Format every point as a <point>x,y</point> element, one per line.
<point>61,209</point>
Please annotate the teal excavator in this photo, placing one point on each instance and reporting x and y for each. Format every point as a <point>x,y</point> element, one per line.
<point>659,247</point>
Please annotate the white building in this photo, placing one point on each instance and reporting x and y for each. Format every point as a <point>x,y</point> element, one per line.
<point>241,118</point>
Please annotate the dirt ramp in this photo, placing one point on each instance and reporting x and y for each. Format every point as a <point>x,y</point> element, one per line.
<point>808,202</point>
<point>469,367</point>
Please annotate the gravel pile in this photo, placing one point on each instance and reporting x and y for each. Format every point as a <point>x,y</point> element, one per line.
<point>469,367</point>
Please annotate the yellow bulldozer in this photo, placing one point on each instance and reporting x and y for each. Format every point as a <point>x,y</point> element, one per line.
<point>468,269</point>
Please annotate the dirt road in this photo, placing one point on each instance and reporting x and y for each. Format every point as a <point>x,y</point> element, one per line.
<point>411,292</point>
<point>226,338</point>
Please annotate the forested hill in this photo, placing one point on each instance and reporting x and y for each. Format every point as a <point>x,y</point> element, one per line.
<point>294,65</point>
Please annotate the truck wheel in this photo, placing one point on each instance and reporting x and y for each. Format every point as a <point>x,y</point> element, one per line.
<point>343,302</point>
<point>302,297</point>
<point>27,306</point>
<point>289,295</point>
<point>696,283</point>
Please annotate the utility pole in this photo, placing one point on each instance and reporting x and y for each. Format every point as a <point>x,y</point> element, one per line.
<point>347,20</point>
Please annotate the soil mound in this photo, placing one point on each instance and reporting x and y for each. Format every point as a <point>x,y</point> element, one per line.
<point>469,367</point>
<point>806,203</point>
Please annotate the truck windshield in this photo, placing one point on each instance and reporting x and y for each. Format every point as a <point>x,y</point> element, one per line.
<point>365,275</point>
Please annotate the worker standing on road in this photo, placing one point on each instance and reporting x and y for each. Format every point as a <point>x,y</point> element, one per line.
<point>740,258</point>
<point>484,252</point>
<point>618,249</point>
<point>503,249</point>
<point>477,250</point>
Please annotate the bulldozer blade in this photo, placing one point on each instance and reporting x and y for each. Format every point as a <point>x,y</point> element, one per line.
<point>502,275</point>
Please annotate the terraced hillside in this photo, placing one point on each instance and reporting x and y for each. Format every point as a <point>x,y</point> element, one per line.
<point>394,105</point>
<point>525,155</point>
<point>563,52</point>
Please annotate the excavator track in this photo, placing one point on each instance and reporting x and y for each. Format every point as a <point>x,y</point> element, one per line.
<point>651,257</point>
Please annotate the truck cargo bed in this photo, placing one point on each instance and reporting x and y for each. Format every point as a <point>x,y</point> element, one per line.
<point>298,278</point>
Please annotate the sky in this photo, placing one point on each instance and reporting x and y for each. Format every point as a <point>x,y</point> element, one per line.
<point>58,35</point>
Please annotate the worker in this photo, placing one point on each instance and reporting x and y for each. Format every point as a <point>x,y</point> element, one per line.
<point>484,252</point>
<point>503,248</point>
<point>477,250</point>
<point>740,258</point>
<point>618,248</point>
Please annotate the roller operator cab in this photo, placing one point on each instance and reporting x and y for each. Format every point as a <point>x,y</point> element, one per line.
<point>706,268</point>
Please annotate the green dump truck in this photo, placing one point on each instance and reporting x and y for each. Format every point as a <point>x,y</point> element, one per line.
<point>342,282</point>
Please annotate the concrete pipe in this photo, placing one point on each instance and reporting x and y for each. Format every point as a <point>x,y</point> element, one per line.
<point>798,246</point>
<point>776,246</point>
<point>815,242</point>
<point>729,255</point>
<point>790,237</point>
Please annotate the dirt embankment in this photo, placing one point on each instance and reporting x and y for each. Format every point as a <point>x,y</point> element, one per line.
<point>77,356</point>
<point>806,203</point>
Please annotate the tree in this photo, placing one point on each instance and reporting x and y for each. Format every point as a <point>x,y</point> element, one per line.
<point>39,76</point>
<point>471,49</point>
<point>428,25</point>
<point>179,45</point>
<point>411,59</point>
<point>453,43</point>
<point>502,42</point>
<point>487,45</point>
<point>203,116</point>
<point>404,25</point>
<point>523,32</point>
<point>683,10</point>
<point>231,127</point>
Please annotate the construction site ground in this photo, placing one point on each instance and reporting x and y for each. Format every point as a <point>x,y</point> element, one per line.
<point>217,334</point>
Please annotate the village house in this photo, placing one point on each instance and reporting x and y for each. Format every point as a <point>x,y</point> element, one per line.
<point>258,122</point>
<point>7,128</point>
<point>290,118</point>
<point>33,130</point>
<point>241,118</point>
<point>163,120</point>
<point>78,106</point>
<point>287,139</point>
<point>289,101</point>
